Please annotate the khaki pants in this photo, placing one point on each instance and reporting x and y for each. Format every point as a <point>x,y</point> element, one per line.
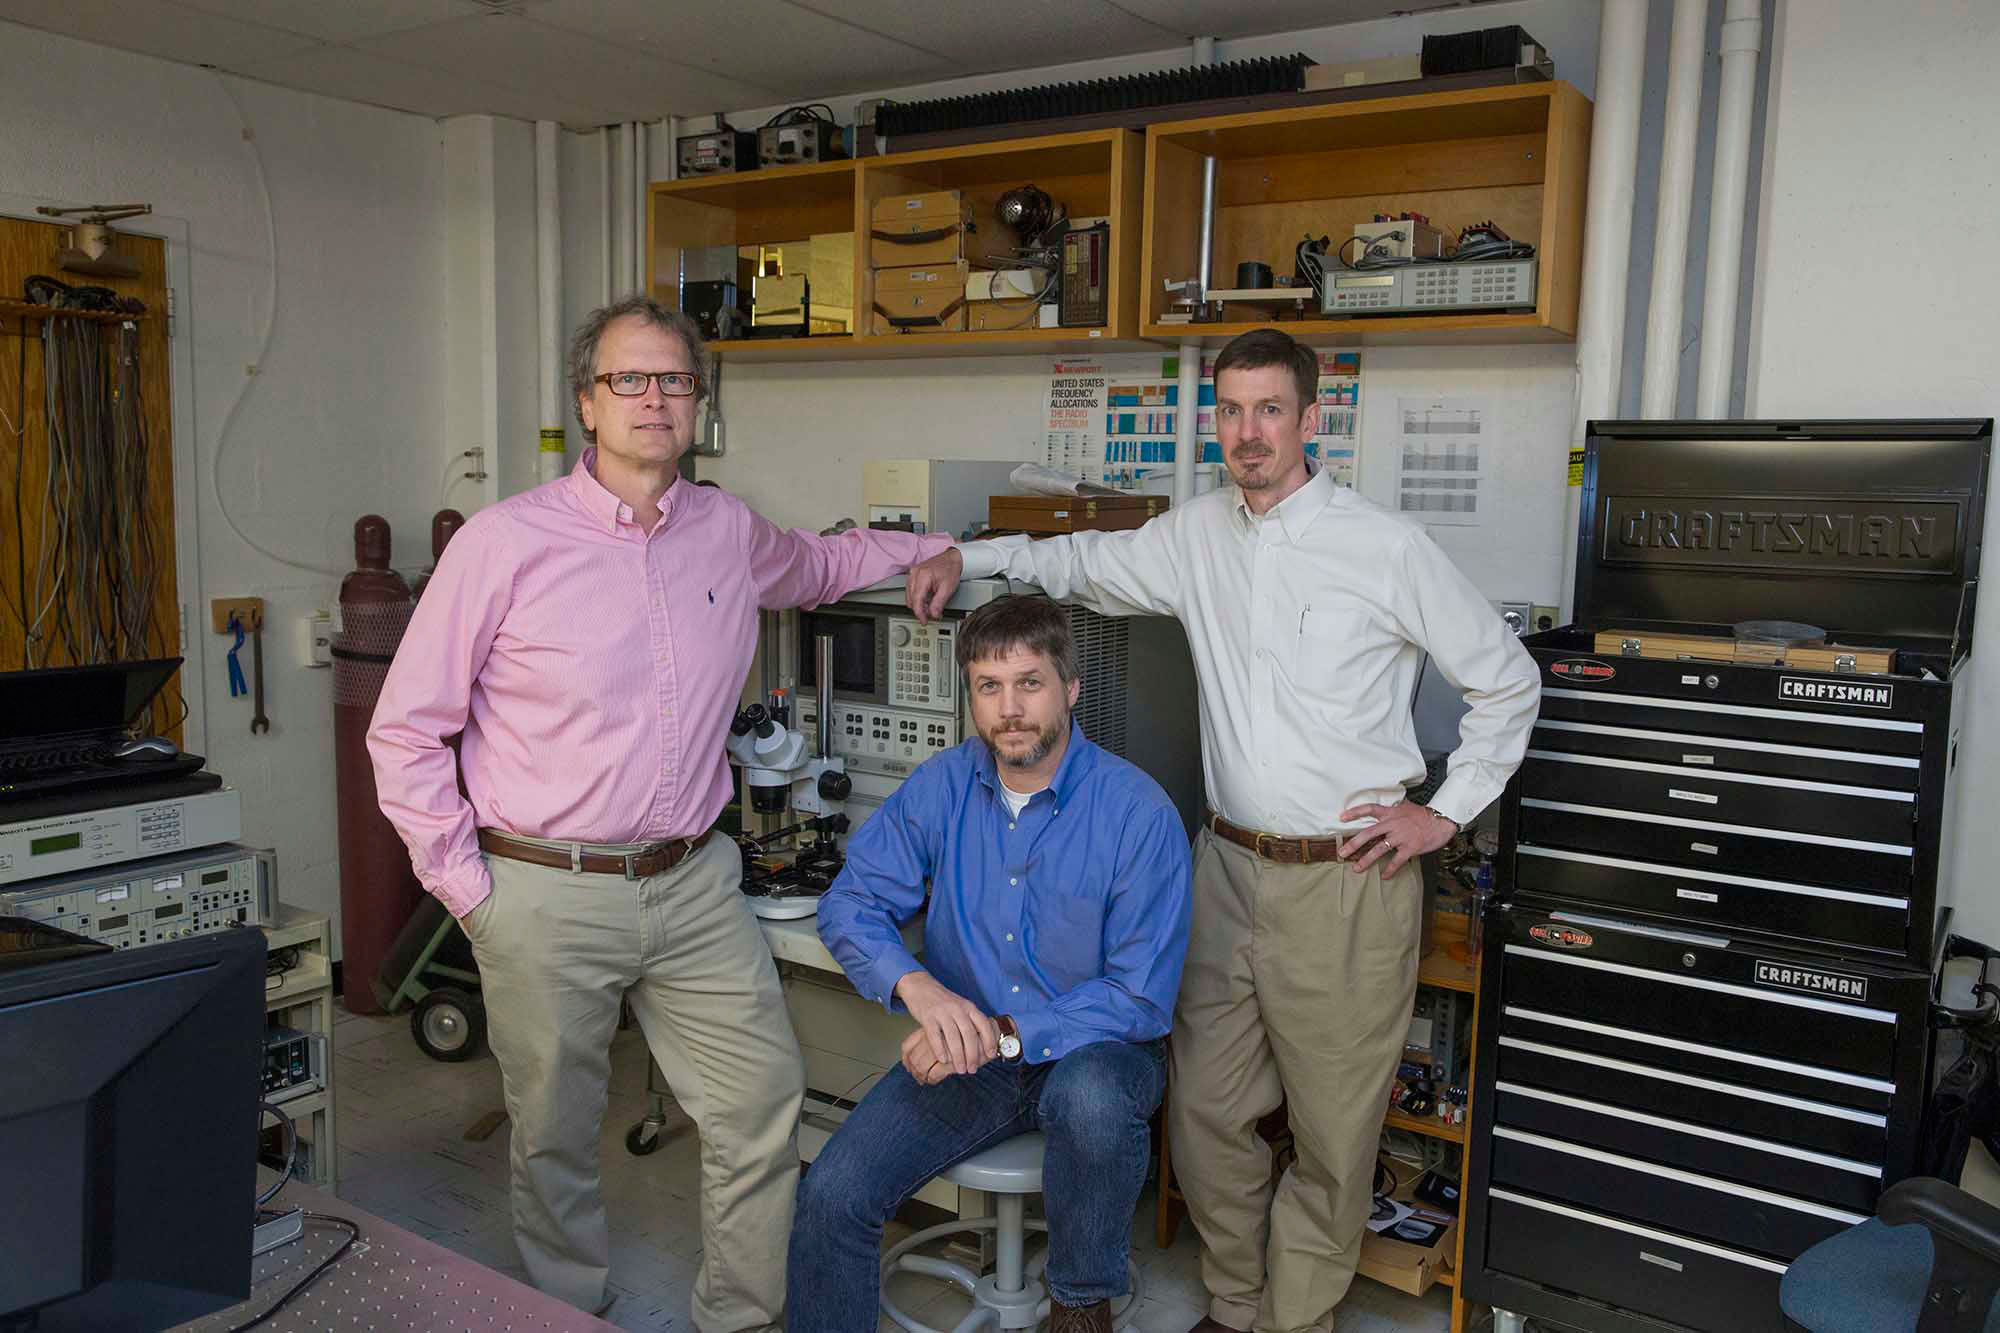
<point>1298,987</point>
<point>557,951</point>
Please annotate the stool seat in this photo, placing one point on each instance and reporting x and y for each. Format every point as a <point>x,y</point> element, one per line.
<point>1013,1167</point>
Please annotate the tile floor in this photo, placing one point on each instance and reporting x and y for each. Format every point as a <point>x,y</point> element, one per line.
<point>404,1157</point>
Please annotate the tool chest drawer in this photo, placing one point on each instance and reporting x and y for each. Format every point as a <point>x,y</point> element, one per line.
<point>1801,727</point>
<point>1836,810</point>
<point>1699,751</point>
<point>1717,898</point>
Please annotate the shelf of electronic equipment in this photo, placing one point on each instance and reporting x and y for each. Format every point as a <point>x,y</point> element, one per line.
<point>1427,1125</point>
<point>1094,173</point>
<point>1514,156</point>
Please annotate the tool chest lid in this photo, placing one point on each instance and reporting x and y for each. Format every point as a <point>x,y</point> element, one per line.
<point>1864,528</point>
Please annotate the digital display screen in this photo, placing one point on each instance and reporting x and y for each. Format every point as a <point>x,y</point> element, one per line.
<point>112,922</point>
<point>215,877</point>
<point>60,842</point>
<point>1348,284</point>
<point>171,909</point>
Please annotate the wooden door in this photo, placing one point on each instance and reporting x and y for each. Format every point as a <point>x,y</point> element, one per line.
<point>87,564</point>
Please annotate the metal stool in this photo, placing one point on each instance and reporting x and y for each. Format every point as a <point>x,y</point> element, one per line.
<point>1012,1295</point>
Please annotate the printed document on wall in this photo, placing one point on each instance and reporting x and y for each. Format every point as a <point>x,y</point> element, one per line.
<point>1440,459</point>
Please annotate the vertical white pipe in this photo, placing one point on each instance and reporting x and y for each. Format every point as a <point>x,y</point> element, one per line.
<point>1742,38</point>
<point>604,211</point>
<point>618,198</point>
<point>1186,410</point>
<point>1607,240</point>
<point>550,458</point>
<point>1660,387</point>
<point>642,173</point>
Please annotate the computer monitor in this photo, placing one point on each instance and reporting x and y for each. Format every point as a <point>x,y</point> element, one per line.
<point>128,1131</point>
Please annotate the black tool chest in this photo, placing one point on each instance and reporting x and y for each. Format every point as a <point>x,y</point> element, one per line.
<point>1704,1034</point>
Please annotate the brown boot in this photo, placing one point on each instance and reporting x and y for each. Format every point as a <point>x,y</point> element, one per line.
<point>1092,1318</point>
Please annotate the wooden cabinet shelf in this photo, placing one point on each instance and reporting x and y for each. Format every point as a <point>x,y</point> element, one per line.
<point>1097,173</point>
<point>1515,155</point>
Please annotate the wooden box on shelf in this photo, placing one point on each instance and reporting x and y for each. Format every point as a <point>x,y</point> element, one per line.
<point>1516,156</point>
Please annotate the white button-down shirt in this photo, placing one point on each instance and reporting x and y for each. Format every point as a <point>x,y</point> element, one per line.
<point>1309,628</point>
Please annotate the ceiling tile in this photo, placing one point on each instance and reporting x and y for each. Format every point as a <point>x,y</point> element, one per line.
<point>793,51</point>
<point>535,58</point>
<point>157,29</point>
<point>1224,18</point>
<point>1016,35</point>
<point>341,22</point>
<point>363,77</point>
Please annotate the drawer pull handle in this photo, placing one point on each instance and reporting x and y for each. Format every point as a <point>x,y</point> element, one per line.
<point>1707,759</point>
<point>1705,848</point>
<point>1696,896</point>
<point>1668,1264</point>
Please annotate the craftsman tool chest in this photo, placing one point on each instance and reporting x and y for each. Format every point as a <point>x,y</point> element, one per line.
<point>1704,1035</point>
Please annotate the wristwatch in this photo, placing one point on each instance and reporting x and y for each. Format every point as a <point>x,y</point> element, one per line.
<point>1010,1038</point>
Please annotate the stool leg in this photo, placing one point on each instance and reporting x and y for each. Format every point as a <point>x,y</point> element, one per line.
<point>1009,1236</point>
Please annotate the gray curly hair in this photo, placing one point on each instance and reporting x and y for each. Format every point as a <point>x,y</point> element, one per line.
<point>583,347</point>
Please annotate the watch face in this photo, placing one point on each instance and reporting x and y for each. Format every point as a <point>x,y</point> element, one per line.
<point>1010,1046</point>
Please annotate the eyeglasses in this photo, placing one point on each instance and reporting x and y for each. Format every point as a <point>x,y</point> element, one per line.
<point>632,383</point>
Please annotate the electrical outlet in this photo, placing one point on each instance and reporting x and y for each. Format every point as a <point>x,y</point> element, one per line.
<point>1543,618</point>
<point>250,610</point>
<point>1516,615</point>
<point>316,640</point>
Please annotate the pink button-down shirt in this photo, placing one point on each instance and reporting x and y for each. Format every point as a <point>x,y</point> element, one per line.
<point>593,667</point>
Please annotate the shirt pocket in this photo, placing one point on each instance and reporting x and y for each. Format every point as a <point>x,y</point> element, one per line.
<point>1068,934</point>
<point>1331,650</point>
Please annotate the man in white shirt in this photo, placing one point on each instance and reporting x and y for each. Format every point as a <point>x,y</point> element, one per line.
<point>1309,611</point>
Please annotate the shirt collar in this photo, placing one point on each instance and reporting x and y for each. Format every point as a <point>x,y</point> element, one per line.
<point>1078,759</point>
<point>599,502</point>
<point>1295,513</point>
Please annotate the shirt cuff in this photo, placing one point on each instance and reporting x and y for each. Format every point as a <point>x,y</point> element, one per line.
<point>891,967</point>
<point>1459,800</point>
<point>982,560</point>
<point>1041,1036</point>
<point>462,889</point>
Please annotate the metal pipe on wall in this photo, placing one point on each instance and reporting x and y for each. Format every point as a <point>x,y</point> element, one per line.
<point>1186,409</point>
<point>604,211</point>
<point>1607,240</point>
<point>1659,387</point>
<point>641,173</point>
<point>551,457</point>
<point>618,202</point>
<point>1742,40</point>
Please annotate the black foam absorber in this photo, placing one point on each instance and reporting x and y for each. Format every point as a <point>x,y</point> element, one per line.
<point>1472,52</point>
<point>1131,92</point>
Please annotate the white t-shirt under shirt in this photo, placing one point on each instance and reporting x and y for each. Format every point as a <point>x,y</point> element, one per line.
<point>1017,801</point>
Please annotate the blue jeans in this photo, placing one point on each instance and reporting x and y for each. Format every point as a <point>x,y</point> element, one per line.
<point>1093,1105</point>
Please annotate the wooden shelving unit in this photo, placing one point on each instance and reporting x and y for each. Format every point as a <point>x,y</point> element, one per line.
<point>1515,155</point>
<point>1095,173</point>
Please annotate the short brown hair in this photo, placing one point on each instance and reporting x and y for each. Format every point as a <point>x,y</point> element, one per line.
<point>1023,621</point>
<point>1273,347</point>
<point>583,346</point>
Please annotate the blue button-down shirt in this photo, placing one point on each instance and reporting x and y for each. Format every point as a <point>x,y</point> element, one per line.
<point>1071,919</point>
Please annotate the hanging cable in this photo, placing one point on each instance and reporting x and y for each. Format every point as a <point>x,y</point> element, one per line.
<point>263,349</point>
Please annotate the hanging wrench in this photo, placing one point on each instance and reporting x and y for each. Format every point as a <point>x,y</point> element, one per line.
<point>258,722</point>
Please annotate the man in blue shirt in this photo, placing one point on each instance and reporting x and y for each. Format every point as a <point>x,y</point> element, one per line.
<point>1057,926</point>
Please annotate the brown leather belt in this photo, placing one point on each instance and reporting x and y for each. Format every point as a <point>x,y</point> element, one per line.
<point>1277,847</point>
<point>644,863</point>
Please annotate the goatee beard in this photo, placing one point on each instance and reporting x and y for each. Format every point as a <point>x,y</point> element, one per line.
<point>1045,742</point>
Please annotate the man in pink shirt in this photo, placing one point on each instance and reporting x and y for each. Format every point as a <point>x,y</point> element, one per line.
<point>590,638</point>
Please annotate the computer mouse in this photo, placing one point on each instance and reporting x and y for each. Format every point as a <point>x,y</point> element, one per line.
<point>147,747</point>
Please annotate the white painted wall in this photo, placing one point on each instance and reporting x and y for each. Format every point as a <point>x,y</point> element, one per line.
<point>345,414</point>
<point>1881,118</point>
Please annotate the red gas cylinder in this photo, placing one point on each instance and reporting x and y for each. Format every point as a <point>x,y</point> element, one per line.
<point>445,524</point>
<point>378,890</point>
